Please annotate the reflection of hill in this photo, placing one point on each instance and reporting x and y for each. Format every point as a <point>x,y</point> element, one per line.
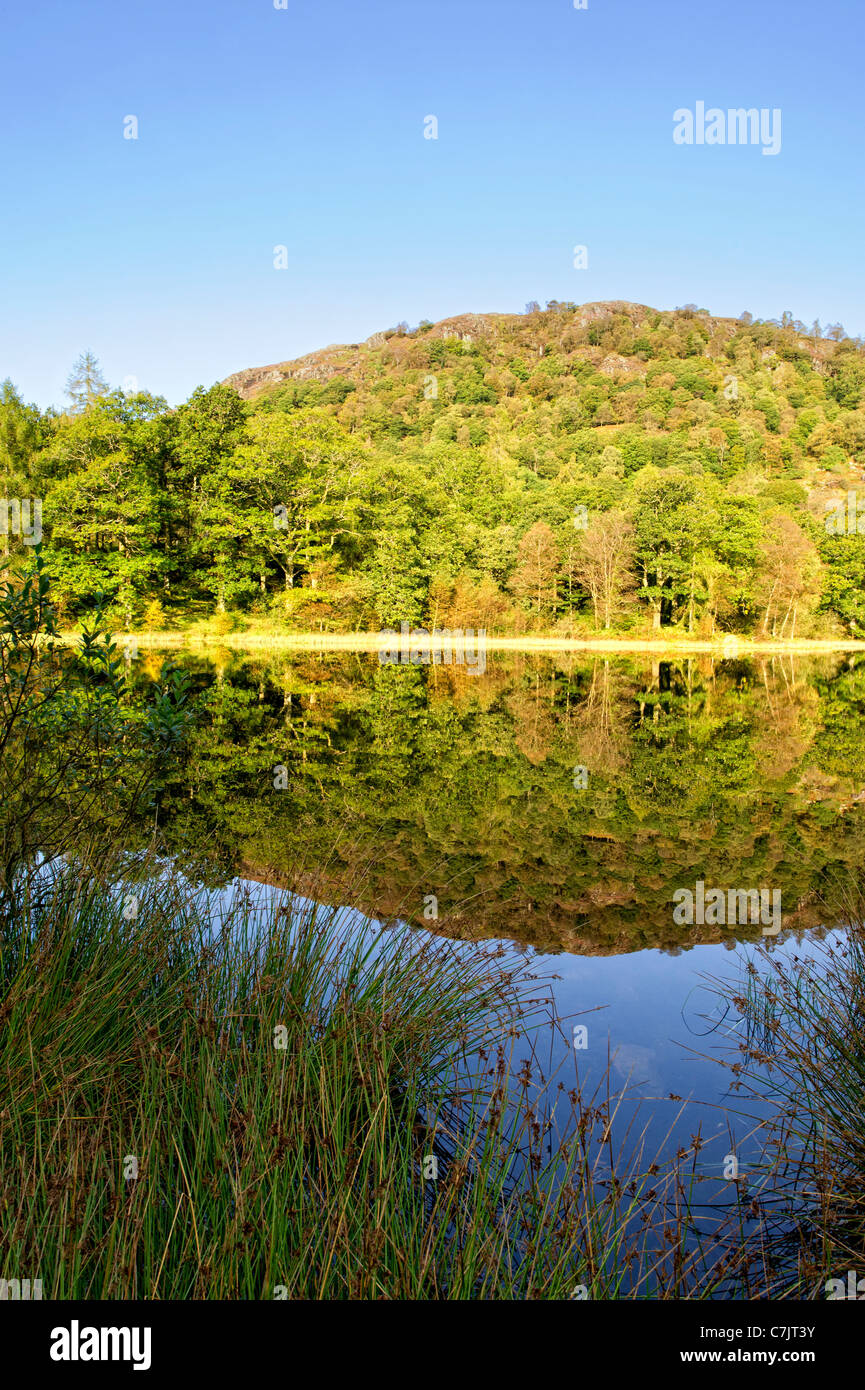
<point>411,783</point>
<point>593,928</point>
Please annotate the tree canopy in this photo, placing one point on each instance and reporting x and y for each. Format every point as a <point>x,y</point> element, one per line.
<point>569,470</point>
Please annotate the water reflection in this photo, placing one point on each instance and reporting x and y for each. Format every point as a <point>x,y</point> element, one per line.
<point>557,805</point>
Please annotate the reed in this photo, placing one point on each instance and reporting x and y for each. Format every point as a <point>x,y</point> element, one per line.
<point>203,1099</point>
<point>801,1059</point>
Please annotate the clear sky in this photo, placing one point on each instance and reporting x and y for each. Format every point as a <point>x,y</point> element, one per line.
<point>304,127</point>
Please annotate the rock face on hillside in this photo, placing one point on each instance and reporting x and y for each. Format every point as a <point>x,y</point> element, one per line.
<point>614,363</point>
<point>316,366</point>
<point>559,329</point>
<point>341,359</point>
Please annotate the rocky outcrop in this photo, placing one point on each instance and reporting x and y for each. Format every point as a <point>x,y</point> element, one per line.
<point>536,333</point>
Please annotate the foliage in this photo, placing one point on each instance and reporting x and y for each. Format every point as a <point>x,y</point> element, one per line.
<point>76,755</point>
<point>381,472</point>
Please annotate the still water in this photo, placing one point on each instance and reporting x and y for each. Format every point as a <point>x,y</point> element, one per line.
<point>562,806</point>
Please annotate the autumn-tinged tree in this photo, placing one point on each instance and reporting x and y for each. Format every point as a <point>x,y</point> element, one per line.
<point>789,579</point>
<point>537,569</point>
<point>604,565</point>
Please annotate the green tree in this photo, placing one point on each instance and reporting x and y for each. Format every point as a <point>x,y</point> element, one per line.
<point>291,488</point>
<point>103,506</point>
<point>209,428</point>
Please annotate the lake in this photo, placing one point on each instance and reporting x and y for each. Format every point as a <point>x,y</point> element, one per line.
<point>565,805</point>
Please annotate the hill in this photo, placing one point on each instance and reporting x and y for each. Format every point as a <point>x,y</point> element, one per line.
<point>572,469</point>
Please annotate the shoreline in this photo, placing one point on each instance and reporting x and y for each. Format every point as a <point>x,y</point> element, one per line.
<point>726,647</point>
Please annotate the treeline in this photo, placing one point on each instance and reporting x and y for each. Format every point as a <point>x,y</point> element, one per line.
<point>610,467</point>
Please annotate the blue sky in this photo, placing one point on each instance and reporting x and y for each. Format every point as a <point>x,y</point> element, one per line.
<point>304,127</point>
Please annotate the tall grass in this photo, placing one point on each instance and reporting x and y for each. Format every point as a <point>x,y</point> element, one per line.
<point>204,1101</point>
<point>802,1057</point>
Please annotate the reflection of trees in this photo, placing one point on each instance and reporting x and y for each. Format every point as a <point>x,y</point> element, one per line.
<point>531,706</point>
<point>786,717</point>
<point>602,719</point>
<point>416,780</point>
